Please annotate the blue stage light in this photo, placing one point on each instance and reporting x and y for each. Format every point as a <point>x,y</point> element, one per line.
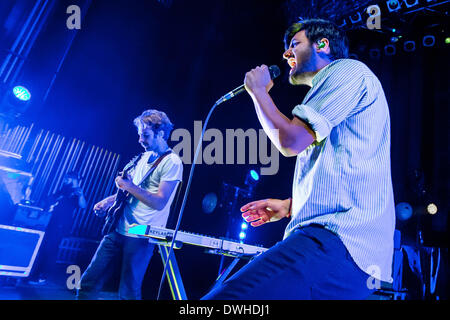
<point>254,175</point>
<point>244,226</point>
<point>242,235</point>
<point>22,93</point>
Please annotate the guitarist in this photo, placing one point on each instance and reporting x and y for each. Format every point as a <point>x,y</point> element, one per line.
<point>150,195</point>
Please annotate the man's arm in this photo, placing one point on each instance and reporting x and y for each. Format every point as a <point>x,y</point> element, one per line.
<point>105,204</point>
<point>289,136</point>
<point>156,200</point>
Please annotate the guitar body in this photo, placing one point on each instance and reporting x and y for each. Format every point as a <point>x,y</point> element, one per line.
<point>115,212</point>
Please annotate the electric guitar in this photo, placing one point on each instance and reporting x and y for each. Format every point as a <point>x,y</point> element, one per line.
<point>116,210</point>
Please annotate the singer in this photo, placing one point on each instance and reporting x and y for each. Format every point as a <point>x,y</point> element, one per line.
<point>339,241</point>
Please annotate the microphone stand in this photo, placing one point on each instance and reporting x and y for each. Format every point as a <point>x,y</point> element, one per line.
<point>183,205</point>
<point>274,72</point>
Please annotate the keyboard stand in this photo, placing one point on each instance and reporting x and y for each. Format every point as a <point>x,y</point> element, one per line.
<point>173,274</point>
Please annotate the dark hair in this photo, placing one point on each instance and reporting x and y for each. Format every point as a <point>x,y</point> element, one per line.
<point>73,175</point>
<point>315,30</point>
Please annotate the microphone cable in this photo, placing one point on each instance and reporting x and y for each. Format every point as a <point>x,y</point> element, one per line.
<point>274,73</point>
<point>186,192</point>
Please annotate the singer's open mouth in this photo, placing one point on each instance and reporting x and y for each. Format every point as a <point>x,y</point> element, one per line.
<point>292,63</point>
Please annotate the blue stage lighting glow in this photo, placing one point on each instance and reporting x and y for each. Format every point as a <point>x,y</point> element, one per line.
<point>244,226</point>
<point>22,93</point>
<point>254,175</point>
<point>242,235</point>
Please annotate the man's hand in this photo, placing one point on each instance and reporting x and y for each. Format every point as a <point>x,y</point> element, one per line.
<point>258,79</point>
<point>101,207</point>
<point>263,211</point>
<point>124,183</point>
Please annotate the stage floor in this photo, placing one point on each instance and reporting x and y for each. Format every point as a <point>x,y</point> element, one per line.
<point>23,289</point>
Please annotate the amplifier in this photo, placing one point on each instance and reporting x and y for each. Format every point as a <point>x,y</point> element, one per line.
<point>28,216</point>
<point>18,250</point>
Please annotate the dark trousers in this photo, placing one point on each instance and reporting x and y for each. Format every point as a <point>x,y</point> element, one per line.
<point>312,263</point>
<point>135,253</point>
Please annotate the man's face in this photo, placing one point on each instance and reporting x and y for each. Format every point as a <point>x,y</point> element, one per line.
<point>70,181</point>
<point>150,140</point>
<point>300,56</point>
<point>147,138</point>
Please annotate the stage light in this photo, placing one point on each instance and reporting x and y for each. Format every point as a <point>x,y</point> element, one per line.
<point>428,41</point>
<point>254,175</point>
<point>251,180</point>
<point>447,40</point>
<point>21,93</point>
<point>343,24</point>
<point>244,226</point>
<point>393,5</point>
<point>409,46</point>
<point>242,235</point>
<point>356,18</point>
<point>375,53</point>
<point>209,202</point>
<point>395,39</point>
<point>403,211</point>
<point>411,3</point>
<point>15,101</point>
<point>390,50</point>
<point>432,208</point>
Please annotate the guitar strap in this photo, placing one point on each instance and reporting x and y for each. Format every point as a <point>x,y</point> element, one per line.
<point>155,164</point>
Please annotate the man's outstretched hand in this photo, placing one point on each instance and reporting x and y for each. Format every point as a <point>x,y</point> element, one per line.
<point>267,210</point>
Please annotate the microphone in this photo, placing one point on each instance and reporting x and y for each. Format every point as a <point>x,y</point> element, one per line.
<point>274,72</point>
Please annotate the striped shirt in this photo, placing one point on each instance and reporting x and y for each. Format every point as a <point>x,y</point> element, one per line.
<point>343,180</point>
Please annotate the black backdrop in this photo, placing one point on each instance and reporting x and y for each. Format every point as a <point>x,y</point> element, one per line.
<point>130,55</point>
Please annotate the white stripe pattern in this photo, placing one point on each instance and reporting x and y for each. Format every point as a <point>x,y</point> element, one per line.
<point>343,180</point>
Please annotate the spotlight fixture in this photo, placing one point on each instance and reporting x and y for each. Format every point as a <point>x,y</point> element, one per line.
<point>432,208</point>
<point>393,5</point>
<point>251,180</point>
<point>21,93</point>
<point>403,211</point>
<point>411,3</point>
<point>243,233</point>
<point>209,202</point>
<point>343,24</point>
<point>375,53</point>
<point>390,50</point>
<point>356,18</point>
<point>428,41</point>
<point>409,46</point>
<point>16,101</point>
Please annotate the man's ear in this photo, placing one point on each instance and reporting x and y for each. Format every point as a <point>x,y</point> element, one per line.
<point>323,45</point>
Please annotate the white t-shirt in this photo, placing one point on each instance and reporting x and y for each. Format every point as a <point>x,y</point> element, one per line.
<point>136,212</point>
